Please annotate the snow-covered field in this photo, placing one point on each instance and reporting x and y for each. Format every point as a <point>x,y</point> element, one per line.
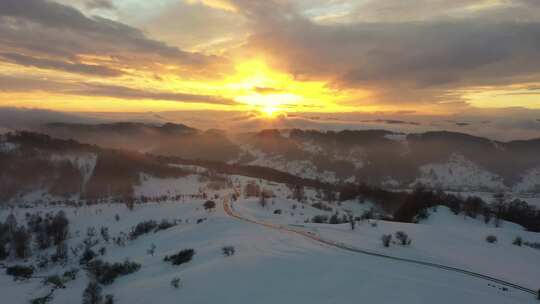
<point>279,267</point>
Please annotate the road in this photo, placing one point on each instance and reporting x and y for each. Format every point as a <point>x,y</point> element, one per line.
<point>227,206</point>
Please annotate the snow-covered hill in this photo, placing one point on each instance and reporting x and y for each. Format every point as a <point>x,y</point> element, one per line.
<point>270,266</point>
<point>460,174</point>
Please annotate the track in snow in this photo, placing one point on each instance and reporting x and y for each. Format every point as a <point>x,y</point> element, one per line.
<point>229,211</point>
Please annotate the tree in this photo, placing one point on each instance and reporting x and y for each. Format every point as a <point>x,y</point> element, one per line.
<point>11,223</point>
<point>109,299</point>
<point>176,282</point>
<point>334,219</point>
<point>92,294</point>
<point>386,240</point>
<point>499,202</point>
<point>61,254</point>
<point>298,193</point>
<point>59,227</point>
<point>491,239</point>
<point>43,239</point>
<point>518,241</point>
<point>104,231</point>
<point>262,200</point>
<point>21,243</point>
<point>403,238</point>
<point>228,251</point>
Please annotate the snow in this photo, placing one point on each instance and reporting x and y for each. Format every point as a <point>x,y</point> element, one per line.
<point>280,267</point>
<point>459,174</point>
<point>444,238</point>
<point>153,187</point>
<point>397,137</point>
<point>84,162</point>
<point>302,168</point>
<point>7,147</point>
<point>530,182</point>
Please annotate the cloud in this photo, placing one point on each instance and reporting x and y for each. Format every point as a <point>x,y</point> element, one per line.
<point>22,118</point>
<point>422,61</point>
<point>130,93</point>
<point>76,67</point>
<point>266,90</point>
<point>51,30</point>
<point>19,84</point>
<point>100,4</point>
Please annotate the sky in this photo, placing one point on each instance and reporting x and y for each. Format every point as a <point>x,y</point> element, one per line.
<point>273,58</point>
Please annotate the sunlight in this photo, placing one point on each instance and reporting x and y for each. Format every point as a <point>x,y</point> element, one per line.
<point>263,89</point>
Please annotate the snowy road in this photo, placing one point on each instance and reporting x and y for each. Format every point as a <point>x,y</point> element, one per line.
<point>227,206</point>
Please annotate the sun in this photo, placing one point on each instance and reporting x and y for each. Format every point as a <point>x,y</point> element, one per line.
<point>270,112</point>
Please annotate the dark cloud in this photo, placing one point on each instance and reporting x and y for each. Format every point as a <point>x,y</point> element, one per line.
<point>48,29</point>
<point>416,61</point>
<point>99,4</point>
<point>75,67</point>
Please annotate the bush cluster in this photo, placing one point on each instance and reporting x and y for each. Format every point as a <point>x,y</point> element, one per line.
<point>181,257</point>
<point>20,272</point>
<point>105,273</point>
<point>228,251</point>
<point>149,226</point>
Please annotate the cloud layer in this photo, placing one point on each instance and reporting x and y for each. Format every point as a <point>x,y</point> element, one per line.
<point>424,55</point>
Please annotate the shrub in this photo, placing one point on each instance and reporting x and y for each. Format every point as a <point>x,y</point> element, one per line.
<point>142,228</point>
<point>176,282</point>
<point>41,300</point>
<point>403,238</point>
<point>386,239</point>
<point>181,257</point>
<point>228,251</point>
<point>491,239</point>
<point>320,219</point>
<point>71,274</point>
<point>321,206</point>
<point>20,272</point>
<point>209,205</point>
<point>54,280</point>
<point>109,299</point>
<point>518,241</point>
<point>532,245</point>
<point>87,256</point>
<point>106,273</point>
<point>164,225</point>
<point>334,219</point>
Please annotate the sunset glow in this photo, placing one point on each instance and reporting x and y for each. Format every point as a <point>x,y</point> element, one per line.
<point>241,62</point>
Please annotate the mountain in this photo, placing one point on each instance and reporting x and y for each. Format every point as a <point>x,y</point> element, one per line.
<point>168,139</point>
<point>36,166</point>
<point>447,160</point>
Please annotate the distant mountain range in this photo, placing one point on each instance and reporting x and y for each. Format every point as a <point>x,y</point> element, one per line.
<point>446,160</point>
